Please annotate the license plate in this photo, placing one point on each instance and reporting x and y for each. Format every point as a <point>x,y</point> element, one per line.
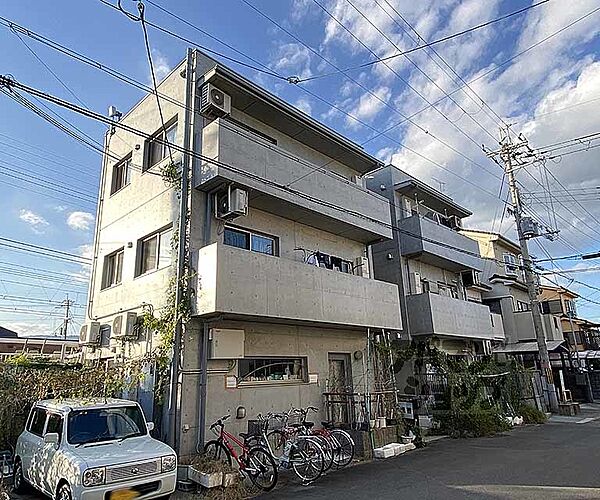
<point>124,495</point>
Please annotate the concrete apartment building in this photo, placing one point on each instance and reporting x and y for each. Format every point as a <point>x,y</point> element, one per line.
<point>280,222</point>
<point>508,295</point>
<point>580,334</point>
<point>435,267</point>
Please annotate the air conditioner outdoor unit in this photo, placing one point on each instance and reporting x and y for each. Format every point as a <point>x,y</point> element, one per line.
<point>214,102</point>
<point>361,267</point>
<point>414,281</point>
<point>124,326</point>
<point>231,203</point>
<point>358,180</point>
<point>90,334</point>
<point>455,222</point>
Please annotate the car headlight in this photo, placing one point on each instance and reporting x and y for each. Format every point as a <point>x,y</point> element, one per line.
<point>94,477</point>
<point>168,463</point>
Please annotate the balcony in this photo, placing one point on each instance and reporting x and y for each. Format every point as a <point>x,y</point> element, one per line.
<point>526,332</point>
<point>365,216</point>
<point>236,282</point>
<point>432,314</point>
<point>455,253</point>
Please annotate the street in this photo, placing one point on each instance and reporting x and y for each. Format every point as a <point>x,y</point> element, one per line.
<point>558,460</point>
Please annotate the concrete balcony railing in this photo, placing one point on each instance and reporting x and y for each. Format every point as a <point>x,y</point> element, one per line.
<point>432,314</point>
<point>363,215</point>
<point>237,282</point>
<point>526,331</point>
<point>419,237</point>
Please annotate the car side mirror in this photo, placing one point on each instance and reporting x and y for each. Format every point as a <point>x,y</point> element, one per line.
<point>150,426</point>
<point>51,438</point>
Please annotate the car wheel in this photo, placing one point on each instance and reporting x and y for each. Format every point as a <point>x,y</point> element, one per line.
<point>19,485</point>
<point>64,492</point>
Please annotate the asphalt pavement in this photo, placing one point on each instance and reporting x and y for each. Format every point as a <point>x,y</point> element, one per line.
<point>558,460</point>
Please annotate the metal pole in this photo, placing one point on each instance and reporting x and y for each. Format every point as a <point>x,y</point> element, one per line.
<point>546,369</point>
<point>180,293</point>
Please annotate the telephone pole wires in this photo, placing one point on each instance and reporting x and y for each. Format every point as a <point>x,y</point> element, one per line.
<point>509,154</point>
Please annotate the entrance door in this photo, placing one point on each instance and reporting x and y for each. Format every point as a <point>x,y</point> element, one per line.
<point>340,383</point>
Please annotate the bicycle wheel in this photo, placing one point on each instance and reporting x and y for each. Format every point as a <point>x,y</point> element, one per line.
<point>276,441</point>
<point>216,450</point>
<point>261,468</point>
<point>344,447</point>
<point>307,459</point>
<point>328,450</point>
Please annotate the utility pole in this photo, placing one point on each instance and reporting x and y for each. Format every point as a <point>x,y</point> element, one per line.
<point>507,155</point>
<point>65,326</point>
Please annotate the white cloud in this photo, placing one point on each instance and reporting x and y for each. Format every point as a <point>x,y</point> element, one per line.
<point>80,221</point>
<point>86,251</point>
<point>293,59</point>
<point>304,105</point>
<point>35,221</point>
<point>369,105</point>
<point>60,208</point>
<point>161,65</point>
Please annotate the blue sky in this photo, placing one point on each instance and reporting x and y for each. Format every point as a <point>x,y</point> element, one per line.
<point>530,91</point>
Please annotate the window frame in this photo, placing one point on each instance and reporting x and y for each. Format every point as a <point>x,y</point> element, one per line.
<point>126,175</point>
<point>159,135</point>
<point>104,284</point>
<point>249,233</point>
<point>32,416</point>
<point>508,265</point>
<point>304,378</point>
<point>140,256</point>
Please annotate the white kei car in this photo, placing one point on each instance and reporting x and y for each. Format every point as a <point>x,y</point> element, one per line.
<point>93,450</point>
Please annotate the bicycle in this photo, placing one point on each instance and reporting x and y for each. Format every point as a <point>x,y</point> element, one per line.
<point>342,444</point>
<point>255,462</point>
<point>303,454</point>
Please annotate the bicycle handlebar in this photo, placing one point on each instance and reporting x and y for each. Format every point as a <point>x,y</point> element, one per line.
<point>219,423</point>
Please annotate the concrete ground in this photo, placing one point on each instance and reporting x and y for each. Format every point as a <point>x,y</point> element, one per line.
<point>558,460</point>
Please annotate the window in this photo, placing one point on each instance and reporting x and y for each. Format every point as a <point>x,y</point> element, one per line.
<point>105,336</point>
<point>570,308</point>
<point>37,421</point>
<point>105,424</point>
<point>120,175</point>
<point>523,306</point>
<point>156,149</point>
<point>55,424</point>
<point>511,267</point>
<point>154,251</point>
<point>272,369</point>
<point>113,269</point>
<point>250,241</point>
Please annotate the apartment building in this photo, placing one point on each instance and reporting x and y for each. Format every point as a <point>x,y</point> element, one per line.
<point>280,222</point>
<point>435,267</point>
<point>580,334</point>
<point>503,272</point>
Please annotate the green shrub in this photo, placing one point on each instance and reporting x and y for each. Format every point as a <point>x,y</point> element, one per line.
<point>475,422</point>
<point>532,415</point>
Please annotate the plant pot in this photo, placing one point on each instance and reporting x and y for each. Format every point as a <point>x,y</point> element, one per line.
<point>230,478</point>
<point>206,479</point>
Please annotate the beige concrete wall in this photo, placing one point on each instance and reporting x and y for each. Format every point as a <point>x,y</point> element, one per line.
<point>269,340</point>
<point>237,281</point>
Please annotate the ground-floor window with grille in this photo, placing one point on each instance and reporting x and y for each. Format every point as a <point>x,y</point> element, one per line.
<point>272,370</point>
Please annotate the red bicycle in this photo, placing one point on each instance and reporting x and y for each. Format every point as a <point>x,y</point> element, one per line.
<point>255,462</point>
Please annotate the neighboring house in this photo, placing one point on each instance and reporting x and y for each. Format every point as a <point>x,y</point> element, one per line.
<point>284,295</point>
<point>52,347</point>
<point>580,334</point>
<point>435,267</point>
<point>508,296</point>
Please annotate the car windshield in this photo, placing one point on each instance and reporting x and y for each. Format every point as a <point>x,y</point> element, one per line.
<point>105,424</point>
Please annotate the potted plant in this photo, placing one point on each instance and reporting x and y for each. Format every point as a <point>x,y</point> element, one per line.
<point>207,472</point>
